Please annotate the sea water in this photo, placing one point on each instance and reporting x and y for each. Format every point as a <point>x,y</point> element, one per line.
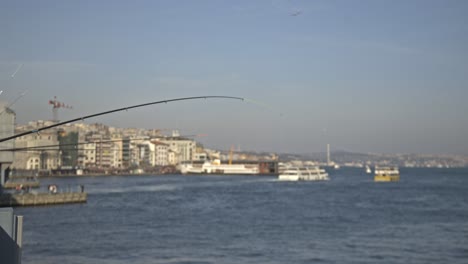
<point>178,219</point>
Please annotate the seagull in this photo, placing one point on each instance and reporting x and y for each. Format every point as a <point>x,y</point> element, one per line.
<point>296,13</point>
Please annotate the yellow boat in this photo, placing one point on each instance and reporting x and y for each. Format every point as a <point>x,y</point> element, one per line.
<point>386,174</point>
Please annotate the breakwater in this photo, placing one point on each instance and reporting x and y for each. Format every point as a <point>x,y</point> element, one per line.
<point>40,199</point>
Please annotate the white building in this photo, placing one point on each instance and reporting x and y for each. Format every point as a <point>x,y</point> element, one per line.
<point>172,157</point>
<point>146,153</point>
<point>161,153</point>
<point>200,156</point>
<point>183,148</point>
<point>116,151</point>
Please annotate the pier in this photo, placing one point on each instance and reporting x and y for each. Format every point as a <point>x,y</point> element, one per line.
<point>25,184</point>
<point>40,199</point>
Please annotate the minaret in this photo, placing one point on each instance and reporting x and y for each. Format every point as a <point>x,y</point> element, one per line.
<point>328,154</point>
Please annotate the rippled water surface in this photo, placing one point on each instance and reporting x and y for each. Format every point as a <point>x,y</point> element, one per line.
<point>244,219</point>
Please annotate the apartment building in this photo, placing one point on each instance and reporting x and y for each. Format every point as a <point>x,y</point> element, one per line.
<point>87,156</point>
<point>161,153</point>
<point>99,146</point>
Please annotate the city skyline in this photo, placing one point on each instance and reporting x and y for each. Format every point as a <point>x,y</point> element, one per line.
<point>368,76</point>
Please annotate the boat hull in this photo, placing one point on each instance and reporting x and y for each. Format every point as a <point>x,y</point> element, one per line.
<point>386,174</point>
<point>303,178</point>
<point>235,169</point>
<point>386,178</point>
<point>288,178</point>
<point>303,174</point>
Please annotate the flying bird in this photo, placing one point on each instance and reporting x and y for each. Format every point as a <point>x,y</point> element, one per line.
<point>296,12</point>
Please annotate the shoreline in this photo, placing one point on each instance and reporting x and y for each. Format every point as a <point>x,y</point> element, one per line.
<point>139,174</point>
<point>93,175</point>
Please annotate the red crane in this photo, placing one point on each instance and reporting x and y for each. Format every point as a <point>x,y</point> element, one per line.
<point>55,106</point>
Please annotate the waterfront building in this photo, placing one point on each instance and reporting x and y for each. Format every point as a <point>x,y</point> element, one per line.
<point>213,154</point>
<point>134,151</point>
<point>184,148</point>
<point>172,157</point>
<point>145,154</point>
<point>98,146</point>
<point>87,156</point>
<point>103,158</point>
<point>161,153</point>
<point>200,156</point>
<point>117,146</point>
<point>37,159</point>
<point>68,148</point>
<point>7,128</point>
<point>126,152</point>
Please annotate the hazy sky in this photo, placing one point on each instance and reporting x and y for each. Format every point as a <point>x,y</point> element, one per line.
<point>368,76</point>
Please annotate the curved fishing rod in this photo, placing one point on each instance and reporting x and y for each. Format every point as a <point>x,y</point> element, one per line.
<point>118,110</point>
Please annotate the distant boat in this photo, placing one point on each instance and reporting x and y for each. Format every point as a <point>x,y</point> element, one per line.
<point>386,174</point>
<point>368,169</point>
<point>303,174</point>
<point>336,166</point>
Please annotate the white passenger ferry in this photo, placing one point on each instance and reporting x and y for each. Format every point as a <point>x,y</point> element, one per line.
<point>215,167</point>
<point>303,174</point>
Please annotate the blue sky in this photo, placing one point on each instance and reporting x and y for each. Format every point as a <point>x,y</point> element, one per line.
<point>368,76</point>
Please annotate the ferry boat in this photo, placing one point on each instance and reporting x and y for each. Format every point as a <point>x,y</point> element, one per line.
<point>303,174</point>
<point>386,174</point>
<point>215,167</point>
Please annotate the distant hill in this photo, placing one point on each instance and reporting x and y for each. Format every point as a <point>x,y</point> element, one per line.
<point>406,160</point>
<point>348,158</point>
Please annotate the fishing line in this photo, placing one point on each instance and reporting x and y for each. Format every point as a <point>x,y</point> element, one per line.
<point>263,105</point>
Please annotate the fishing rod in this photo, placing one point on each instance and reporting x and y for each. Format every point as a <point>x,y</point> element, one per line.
<point>118,110</point>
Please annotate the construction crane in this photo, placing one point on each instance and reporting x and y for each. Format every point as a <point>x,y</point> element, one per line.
<point>55,106</point>
<point>231,154</point>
